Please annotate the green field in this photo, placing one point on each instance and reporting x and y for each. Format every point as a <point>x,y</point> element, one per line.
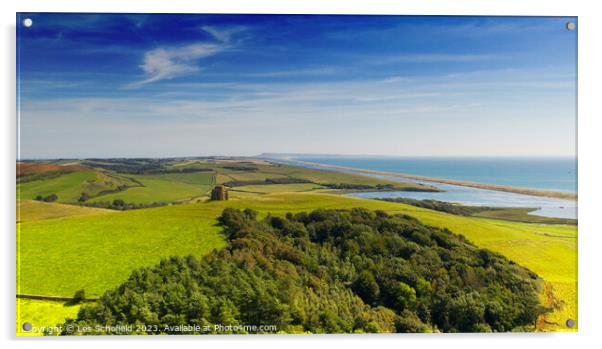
<point>199,178</point>
<point>42,314</point>
<point>64,248</point>
<point>31,210</point>
<point>98,252</point>
<point>67,187</point>
<point>522,215</point>
<point>279,188</point>
<point>60,256</point>
<point>162,188</point>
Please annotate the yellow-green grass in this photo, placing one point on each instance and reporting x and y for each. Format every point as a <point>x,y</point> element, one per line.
<point>324,176</point>
<point>278,188</point>
<point>98,252</point>
<point>67,187</point>
<point>222,178</point>
<point>565,296</point>
<point>41,314</point>
<point>265,170</point>
<point>522,215</point>
<point>106,181</point>
<point>252,176</point>
<point>31,210</point>
<point>197,178</point>
<point>60,256</point>
<point>159,189</point>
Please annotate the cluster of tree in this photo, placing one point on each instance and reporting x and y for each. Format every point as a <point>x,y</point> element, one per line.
<point>287,180</point>
<point>328,271</point>
<point>78,297</point>
<point>443,206</point>
<point>48,198</point>
<point>119,204</point>
<point>348,186</point>
<point>283,180</point>
<point>141,166</point>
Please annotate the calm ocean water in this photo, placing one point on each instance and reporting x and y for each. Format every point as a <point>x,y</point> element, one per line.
<point>557,174</point>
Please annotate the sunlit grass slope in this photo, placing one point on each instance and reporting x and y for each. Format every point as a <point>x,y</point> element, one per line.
<point>98,252</point>
<point>42,314</point>
<point>279,188</point>
<point>31,210</point>
<point>95,253</point>
<point>162,188</point>
<point>67,187</point>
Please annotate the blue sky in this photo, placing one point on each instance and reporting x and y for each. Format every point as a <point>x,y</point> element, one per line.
<point>108,85</point>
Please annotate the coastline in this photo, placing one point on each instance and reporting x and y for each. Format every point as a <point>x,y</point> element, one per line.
<point>497,187</point>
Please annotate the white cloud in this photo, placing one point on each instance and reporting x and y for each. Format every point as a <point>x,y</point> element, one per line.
<point>168,63</point>
<point>223,35</point>
<point>513,111</point>
<point>394,79</point>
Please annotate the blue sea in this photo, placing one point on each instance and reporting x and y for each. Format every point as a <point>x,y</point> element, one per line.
<point>557,174</point>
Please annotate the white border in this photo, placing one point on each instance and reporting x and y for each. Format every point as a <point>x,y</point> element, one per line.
<point>589,161</point>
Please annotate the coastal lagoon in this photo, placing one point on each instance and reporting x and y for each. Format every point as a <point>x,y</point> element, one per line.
<point>546,207</point>
<point>558,173</point>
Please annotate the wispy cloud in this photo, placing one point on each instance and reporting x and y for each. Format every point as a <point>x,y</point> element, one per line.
<point>222,34</point>
<point>168,63</point>
<point>396,78</point>
<point>348,116</point>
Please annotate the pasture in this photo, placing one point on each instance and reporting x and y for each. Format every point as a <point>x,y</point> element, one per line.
<point>69,187</point>
<point>64,248</point>
<point>41,314</point>
<point>162,188</point>
<point>279,188</point>
<point>98,252</point>
<point>31,210</point>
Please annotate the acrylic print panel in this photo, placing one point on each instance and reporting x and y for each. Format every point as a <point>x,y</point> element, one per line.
<point>260,174</point>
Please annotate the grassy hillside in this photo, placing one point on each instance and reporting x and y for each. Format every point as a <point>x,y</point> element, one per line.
<point>162,188</point>
<point>31,210</point>
<point>98,252</point>
<point>329,271</point>
<point>279,188</point>
<point>42,314</point>
<point>146,181</point>
<point>96,249</point>
<point>67,187</point>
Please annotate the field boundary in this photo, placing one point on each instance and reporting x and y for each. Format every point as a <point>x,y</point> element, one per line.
<point>53,298</point>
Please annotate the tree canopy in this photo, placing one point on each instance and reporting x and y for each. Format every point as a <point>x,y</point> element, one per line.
<point>328,271</point>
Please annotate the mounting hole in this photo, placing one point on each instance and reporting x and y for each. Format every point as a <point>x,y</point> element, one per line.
<point>26,326</point>
<point>570,323</point>
<point>27,22</point>
<point>571,26</point>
